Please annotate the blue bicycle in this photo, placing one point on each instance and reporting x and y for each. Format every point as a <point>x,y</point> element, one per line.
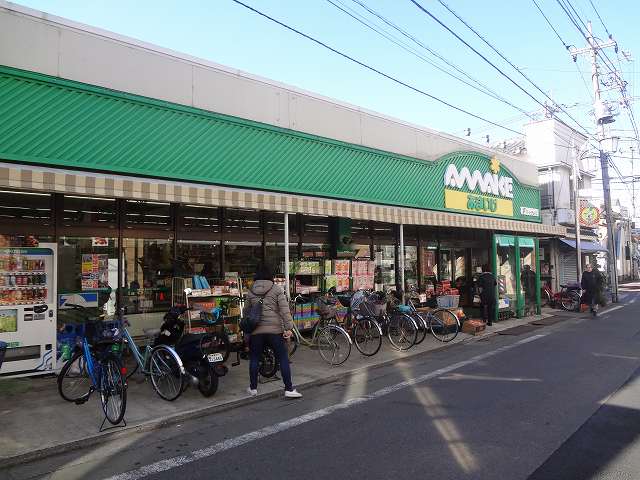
<point>96,367</point>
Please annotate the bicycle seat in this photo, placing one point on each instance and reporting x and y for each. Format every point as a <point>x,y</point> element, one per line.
<point>570,286</point>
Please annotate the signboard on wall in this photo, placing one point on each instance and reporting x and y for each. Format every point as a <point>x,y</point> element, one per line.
<point>589,215</point>
<point>478,184</point>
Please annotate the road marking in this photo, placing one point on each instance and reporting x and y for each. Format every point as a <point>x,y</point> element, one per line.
<point>175,462</point>
<point>609,310</point>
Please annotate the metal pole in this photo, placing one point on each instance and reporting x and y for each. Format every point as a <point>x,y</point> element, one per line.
<point>287,287</point>
<point>402,286</point>
<point>576,208</point>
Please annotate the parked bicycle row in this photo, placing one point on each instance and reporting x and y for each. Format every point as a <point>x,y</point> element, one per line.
<point>173,358</point>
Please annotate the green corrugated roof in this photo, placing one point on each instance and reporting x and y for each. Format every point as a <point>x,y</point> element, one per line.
<point>54,122</point>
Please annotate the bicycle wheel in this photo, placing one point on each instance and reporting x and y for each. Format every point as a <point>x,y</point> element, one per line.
<point>334,345</point>
<point>570,301</point>
<point>423,327</point>
<point>166,373</point>
<point>367,336</point>
<point>402,331</point>
<point>268,365</point>
<point>113,390</point>
<point>74,382</point>
<point>545,297</point>
<point>444,325</point>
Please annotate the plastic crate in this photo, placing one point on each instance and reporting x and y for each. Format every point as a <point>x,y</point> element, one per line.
<point>448,301</point>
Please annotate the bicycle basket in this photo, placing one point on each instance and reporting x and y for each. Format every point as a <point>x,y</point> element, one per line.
<point>373,308</point>
<point>327,307</point>
<point>103,332</point>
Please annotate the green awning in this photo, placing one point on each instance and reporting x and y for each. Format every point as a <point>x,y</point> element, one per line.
<point>506,240</point>
<point>526,242</point>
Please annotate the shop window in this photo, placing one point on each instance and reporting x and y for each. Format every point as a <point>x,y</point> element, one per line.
<point>360,231</point>
<point>147,215</point>
<point>198,257</point>
<point>24,211</point>
<point>444,264</point>
<point>147,274</point>
<point>383,231</point>
<point>242,225</point>
<point>89,211</point>
<point>507,271</point>
<point>315,226</point>
<point>410,268</point>
<point>274,226</point>
<point>243,258</point>
<point>528,274</point>
<point>195,219</point>
<point>88,271</point>
<point>428,267</point>
<point>385,267</point>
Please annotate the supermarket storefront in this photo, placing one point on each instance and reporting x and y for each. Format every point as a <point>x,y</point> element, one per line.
<point>139,193</point>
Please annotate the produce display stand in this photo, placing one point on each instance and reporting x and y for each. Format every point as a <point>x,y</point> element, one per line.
<point>206,300</point>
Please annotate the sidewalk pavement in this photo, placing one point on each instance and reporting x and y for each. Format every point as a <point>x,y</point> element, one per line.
<point>37,422</point>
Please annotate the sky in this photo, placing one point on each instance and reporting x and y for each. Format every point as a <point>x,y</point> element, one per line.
<point>227,33</point>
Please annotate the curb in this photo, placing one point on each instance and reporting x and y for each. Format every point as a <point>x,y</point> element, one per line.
<point>156,424</point>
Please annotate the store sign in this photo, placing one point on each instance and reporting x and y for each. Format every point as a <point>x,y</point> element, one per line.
<point>589,216</point>
<point>479,191</point>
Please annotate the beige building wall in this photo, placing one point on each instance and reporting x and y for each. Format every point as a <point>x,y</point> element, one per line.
<point>35,41</point>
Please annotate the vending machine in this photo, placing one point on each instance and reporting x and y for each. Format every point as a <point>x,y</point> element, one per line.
<point>28,309</point>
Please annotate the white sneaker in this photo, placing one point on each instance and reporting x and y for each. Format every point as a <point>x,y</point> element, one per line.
<point>252,392</point>
<point>292,394</point>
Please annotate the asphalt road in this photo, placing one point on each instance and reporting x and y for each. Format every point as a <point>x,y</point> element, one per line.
<point>557,402</point>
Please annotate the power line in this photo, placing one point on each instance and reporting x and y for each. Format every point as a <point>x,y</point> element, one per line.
<point>425,47</point>
<point>343,8</point>
<point>550,25</point>
<point>423,9</point>
<point>600,18</point>
<point>373,69</point>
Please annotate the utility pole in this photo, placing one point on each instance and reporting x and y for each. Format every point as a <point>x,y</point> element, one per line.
<point>633,205</point>
<point>576,209</point>
<point>603,116</point>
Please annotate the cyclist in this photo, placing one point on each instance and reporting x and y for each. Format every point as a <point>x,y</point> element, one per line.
<point>275,326</point>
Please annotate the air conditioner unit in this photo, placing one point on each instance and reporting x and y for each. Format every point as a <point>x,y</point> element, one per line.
<point>565,216</point>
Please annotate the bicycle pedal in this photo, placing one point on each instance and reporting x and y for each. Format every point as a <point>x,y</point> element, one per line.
<point>80,401</point>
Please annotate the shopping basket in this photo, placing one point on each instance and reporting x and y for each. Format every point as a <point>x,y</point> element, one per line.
<point>327,307</point>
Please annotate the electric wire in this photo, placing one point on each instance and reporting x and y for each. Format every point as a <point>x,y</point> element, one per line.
<point>550,25</point>
<point>424,10</point>
<point>373,69</point>
<point>422,45</point>
<point>600,18</point>
<point>405,47</point>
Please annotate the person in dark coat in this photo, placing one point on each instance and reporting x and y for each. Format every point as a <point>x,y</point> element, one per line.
<point>487,288</point>
<point>528,282</point>
<point>589,284</point>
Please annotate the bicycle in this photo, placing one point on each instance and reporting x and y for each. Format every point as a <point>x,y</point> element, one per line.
<point>443,324</point>
<point>568,297</point>
<point>329,337</point>
<point>365,330</point>
<point>97,362</point>
<point>400,328</point>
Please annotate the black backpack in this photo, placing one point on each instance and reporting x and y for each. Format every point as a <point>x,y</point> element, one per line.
<point>252,316</point>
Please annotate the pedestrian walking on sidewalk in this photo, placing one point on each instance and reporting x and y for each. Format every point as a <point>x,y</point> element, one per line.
<point>487,288</point>
<point>274,328</point>
<point>590,283</point>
